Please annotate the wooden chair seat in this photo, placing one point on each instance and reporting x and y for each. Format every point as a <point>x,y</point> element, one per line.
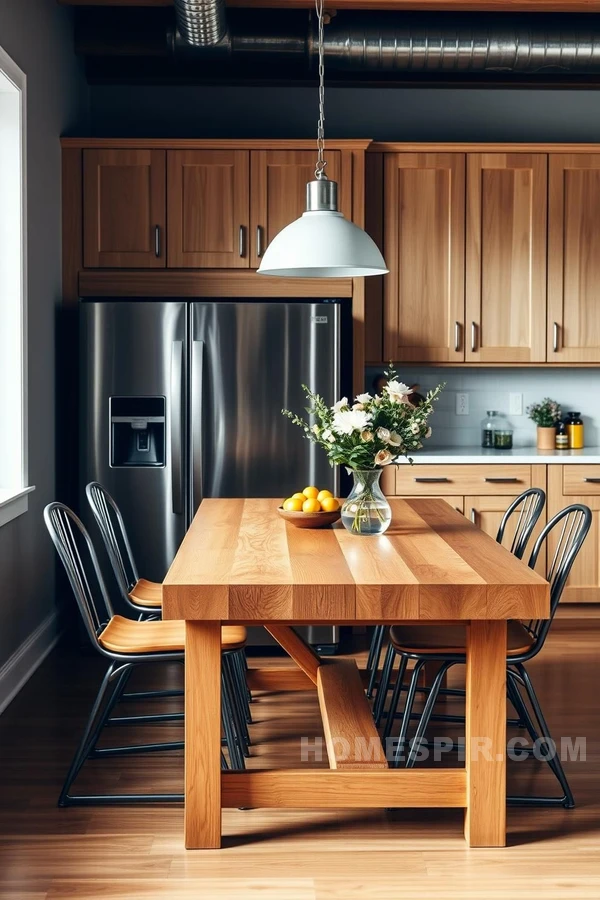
<point>123,635</point>
<point>438,639</point>
<point>146,593</point>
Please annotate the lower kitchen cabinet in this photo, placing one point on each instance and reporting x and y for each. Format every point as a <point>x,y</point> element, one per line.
<point>578,484</point>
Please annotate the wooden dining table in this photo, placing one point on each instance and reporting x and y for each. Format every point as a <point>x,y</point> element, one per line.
<point>241,563</point>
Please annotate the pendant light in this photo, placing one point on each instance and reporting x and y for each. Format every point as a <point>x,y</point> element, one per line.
<point>322,243</point>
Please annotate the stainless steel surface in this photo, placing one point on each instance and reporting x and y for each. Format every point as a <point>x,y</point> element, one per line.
<point>157,241</point>
<point>321,195</point>
<point>259,247</point>
<point>473,336</point>
<point>457,336</point>
<point>256,357</point>
<point>202,23</point>
<point>197,424</point>
<point>126,351</point>
<point>176,430</point>
<point>555,337</point>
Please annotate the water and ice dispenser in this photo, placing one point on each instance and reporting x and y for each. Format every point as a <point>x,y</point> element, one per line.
<point>137,431</point>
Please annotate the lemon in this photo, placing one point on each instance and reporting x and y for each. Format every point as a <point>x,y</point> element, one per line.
<point>311,493</point>
<point>311,505</point>
<point>293,504</point>
<point>330,504</point>
<point>298,496</point>
<point>324,495</point>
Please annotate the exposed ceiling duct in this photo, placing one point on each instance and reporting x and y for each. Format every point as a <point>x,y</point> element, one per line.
<point>201,23</point>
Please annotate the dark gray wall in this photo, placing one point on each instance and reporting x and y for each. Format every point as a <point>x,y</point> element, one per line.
<point>421,114</point>
<point>37,34</point>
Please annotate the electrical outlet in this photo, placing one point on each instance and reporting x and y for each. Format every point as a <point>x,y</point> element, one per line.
<point>462,404</point>
<point>516,404</point>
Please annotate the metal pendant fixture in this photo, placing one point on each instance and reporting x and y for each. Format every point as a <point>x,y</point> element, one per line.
<point>322,243</point>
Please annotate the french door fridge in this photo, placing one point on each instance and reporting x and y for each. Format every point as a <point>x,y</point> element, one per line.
<point>182,400</point>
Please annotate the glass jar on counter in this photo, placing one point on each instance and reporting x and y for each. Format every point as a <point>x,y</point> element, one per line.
<point>496,431</point>
<point>574,426</point>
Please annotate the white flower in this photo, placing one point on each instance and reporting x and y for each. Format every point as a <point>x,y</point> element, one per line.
<point>358,406</point>
<point>415,427</point>
<point>383,458</point>
<point>383,434</point>
<point>347,421</point>
<point>366,435</point>
<point>395,440</point>
<point>428,432</point>
<point>315,429</point>
<point>328,435</point>
<point>363,398</point>
<point>398,391</point>
<point>341,404</point>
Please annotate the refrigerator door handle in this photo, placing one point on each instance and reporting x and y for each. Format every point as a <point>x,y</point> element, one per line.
<point>196,424</point>
<point>177,426</point>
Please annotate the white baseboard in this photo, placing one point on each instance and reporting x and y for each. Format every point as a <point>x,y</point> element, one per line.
<point>19,668</point>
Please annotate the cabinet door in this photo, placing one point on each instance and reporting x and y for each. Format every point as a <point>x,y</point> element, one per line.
<point>208,209</point>
<point>506,257</point>
<point>278,193</point>
<point>424,223</point>
<point>574,258</point>
<point>486,513</point>
<point>583,585</point>
<point>124,208</point>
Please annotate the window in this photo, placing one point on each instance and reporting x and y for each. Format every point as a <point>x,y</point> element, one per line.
<point>13,293</point>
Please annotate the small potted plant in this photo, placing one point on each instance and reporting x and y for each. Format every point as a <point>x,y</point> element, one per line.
<point>546,416</point>
<point>365,436</point>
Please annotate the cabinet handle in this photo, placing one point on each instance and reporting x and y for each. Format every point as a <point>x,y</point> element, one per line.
<point>259,249</point>
<point>157,241</point>
<point>473,337</point>
<point>241,240</point>
<point>431,480</point>
<point>503,480</point>
<point>457,341</point>
<point>473,515</point>
<point>592,480</point>
<point>555,337</point>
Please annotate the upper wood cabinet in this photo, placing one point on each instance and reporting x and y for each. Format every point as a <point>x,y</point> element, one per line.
<point>124,208</point>
<point>506,257</point>
<point>574,258</point>
<point>208,208</point>
<point>424,231</point>
<point>278,192</point>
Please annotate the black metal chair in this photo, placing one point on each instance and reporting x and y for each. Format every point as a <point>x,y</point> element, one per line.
<point>527,508</point>
<point>127,644</point>
<point>422,643</point>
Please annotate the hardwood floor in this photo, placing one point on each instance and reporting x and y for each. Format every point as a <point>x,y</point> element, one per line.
<point>136,853</point>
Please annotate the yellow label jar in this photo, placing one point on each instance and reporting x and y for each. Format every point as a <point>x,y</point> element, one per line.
<point>575,431</point>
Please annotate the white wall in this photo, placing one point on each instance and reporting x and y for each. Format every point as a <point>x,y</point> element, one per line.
<point>37,34</point>
<point>575,389</point>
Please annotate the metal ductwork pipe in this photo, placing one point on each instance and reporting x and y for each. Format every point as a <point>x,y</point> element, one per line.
<point>201,23</point>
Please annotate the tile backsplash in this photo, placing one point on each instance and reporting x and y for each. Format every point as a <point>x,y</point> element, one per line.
<point>574,389</point>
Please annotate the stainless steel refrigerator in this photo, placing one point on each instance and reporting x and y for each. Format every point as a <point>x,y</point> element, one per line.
<point>182,400</point>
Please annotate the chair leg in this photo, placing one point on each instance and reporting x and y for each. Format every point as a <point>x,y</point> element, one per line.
<point>239,718</point>
<point>236,757</point>
<point>239,671</point>
<point>552,759</point>
<point>389,722</point>
<point>410,699</point>
<point>426,714</point>
<point>384,685</point>
<point>374,657</point>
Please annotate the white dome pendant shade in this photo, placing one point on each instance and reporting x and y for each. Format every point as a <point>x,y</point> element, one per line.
<point>322,243</point>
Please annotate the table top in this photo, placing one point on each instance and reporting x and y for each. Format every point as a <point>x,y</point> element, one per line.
<point>241,562</point>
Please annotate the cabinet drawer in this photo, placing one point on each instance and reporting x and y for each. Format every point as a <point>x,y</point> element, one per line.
<point>581,480</point>
<point>424,480</point>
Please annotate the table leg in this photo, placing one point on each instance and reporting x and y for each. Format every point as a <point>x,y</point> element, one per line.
<point>202,735</point>
<point>485,752</point>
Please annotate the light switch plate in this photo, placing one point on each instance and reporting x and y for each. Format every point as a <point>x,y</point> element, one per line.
<point>516,405</point>
<point>462,404</point>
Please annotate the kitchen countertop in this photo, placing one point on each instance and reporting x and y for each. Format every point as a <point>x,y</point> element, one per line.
<point>528,455</point>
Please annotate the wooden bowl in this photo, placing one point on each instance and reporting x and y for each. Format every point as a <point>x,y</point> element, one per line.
<point>309,520</point>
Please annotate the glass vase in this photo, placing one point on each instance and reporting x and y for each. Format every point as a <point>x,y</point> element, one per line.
<point>366,511</point>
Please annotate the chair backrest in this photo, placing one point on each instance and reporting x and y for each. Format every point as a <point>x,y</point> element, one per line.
<point>76,551</point>
<point>112,528</point>
<point>572,525</point>
<point>527,507</point>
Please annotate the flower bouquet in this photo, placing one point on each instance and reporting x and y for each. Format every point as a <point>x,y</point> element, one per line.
<point>365,436</point>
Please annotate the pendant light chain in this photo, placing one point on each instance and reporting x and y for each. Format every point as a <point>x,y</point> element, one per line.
<point>321,162</point>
